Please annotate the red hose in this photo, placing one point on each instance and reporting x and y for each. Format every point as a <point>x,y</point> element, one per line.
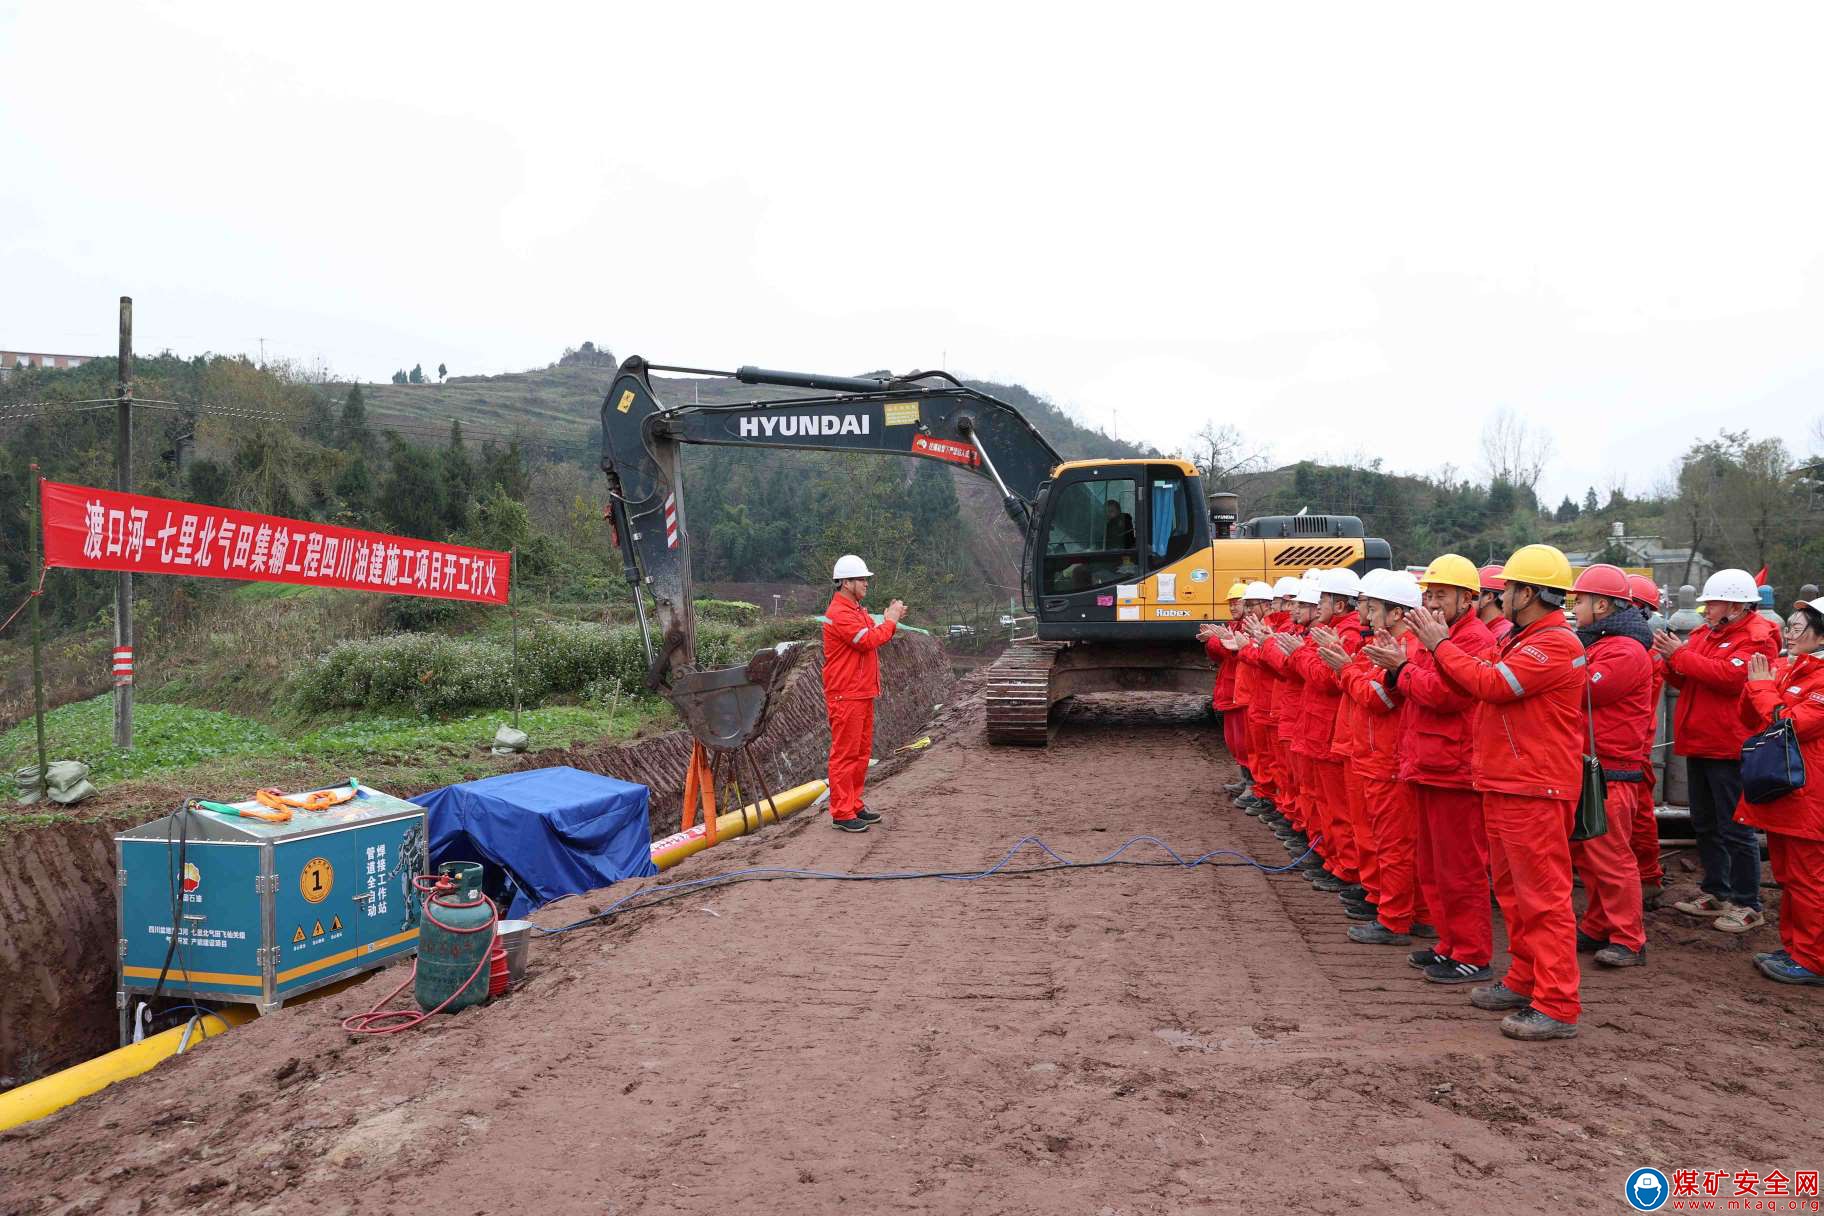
<point>374,1021</point>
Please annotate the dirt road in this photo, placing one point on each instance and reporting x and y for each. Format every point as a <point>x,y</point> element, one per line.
<point>1118,1040</point>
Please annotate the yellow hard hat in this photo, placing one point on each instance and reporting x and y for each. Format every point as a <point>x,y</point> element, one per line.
<point>1236,591</point>
<point>1452,570</point>
<point>1539,566</point>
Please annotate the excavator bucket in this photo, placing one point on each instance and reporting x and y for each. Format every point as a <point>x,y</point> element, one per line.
<point>726,708</point>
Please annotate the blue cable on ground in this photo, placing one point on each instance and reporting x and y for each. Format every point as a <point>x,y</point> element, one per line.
<point>648,895</point>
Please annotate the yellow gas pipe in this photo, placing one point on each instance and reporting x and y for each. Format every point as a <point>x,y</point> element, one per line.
<point>53,1093</point>
<point>670,851</point>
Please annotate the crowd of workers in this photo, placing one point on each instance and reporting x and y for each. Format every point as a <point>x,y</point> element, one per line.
<point>1419,741</point>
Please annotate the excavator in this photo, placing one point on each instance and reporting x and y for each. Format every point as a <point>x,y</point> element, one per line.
<point>1122,559</point>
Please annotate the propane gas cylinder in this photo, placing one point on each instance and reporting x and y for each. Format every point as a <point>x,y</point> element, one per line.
<point>454,940</point>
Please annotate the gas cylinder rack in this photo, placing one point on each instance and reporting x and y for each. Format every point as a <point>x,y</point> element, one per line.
<point>263,912</point>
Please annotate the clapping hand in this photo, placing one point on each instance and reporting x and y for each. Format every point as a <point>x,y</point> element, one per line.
<point>896,611</point>
<point>1429,627</point>
<point>1666,644</point>
<point>1385,651</point>
<point>1334,657</point>
<point>1759,668</point>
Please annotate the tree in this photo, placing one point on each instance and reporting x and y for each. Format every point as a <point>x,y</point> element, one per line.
<point>352,433</point>
<point>1224,457</point>
<point>442,371</point>
<point>416,376</point>
<point>1589,502</point>
<point>320,421</point>
<point>399,376</point>
<point>1567,510</point>
<point>355,490</point>
<point>1512,451</point>
<point>458,480</point>
<point>412,497</point>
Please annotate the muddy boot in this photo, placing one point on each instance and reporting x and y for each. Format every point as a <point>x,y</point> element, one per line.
<point>1363,912</point>
<point>1374,933</point>
<point>1587,944</point>
<point>1497,997</point>
<point>1327,882</point>
<point>1531,1026</point>
<point>1650,895</point>
<point>1355,891</point>
<point>1617,955</point>
<point>1424,932</point>
<point>1424,957</point>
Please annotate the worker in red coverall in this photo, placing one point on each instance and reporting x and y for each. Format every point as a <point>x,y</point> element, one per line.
<point>1617,644</point>
<point>1250,697</point>
<point>1709,670</point>
<point>1794,688</point>
<point>1222,695</point>
<point>1488,604</point>
<point>1436,754</point>
<point>1530,741</point>
<point>1333,619</point>
<point>851,681</point>
<point>1644,837</point>
<point>1389,908</point>
<point>1263,712</point>
<point>1295,806</point>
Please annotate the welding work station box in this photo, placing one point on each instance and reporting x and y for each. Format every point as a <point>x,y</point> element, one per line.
<point>266,911</point>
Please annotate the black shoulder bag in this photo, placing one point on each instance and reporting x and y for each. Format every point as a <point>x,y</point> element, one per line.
<point>1592,803</point>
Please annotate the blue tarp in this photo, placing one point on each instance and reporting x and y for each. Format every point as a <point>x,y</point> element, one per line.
<point>542,834</point>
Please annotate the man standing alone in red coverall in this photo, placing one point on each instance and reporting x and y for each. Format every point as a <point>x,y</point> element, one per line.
<point>851,681</point>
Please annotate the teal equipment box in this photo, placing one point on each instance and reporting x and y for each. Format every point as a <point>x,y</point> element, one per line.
<point>267,911</point>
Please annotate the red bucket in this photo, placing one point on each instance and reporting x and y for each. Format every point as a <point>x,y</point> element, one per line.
<point>498,978</point>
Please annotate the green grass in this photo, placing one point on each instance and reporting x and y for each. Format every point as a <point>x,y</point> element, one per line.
<point>225,751</point>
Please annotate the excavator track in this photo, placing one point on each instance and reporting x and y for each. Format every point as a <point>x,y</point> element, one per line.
<point>1019,693</point>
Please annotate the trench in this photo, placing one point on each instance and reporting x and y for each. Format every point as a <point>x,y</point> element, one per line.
<point>57,892</point>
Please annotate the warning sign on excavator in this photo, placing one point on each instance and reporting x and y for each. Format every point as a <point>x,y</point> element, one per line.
<point>298,937</point>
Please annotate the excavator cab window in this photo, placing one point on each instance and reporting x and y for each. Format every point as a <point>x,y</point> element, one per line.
<point>1092,542</point>
<point>1170,534</point>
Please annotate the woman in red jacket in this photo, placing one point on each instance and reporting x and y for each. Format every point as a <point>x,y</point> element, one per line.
<point>1794,687</point>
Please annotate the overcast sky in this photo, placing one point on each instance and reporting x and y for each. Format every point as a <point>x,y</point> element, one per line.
<point>1349,230</point>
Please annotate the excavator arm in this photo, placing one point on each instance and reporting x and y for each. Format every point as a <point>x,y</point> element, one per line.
<point>925,415</point>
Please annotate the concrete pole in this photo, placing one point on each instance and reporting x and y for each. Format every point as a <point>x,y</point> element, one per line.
<point>123,481</point>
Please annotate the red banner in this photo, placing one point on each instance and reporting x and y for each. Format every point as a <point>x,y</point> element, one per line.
<point>89,529</point>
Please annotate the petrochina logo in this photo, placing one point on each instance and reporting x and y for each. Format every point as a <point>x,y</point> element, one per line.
<point>193,877</point>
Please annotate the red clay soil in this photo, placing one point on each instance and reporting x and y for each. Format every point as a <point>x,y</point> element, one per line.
<point>1120,1040</point>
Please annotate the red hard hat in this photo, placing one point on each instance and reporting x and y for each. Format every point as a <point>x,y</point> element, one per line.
<point>1491,578</point>
<point>1645,591</point>
<point>1603,579</point>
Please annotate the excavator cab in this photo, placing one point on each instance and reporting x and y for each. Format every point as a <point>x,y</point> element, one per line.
<point>1102,529</point>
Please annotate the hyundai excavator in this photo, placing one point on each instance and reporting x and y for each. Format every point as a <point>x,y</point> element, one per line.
<point>1122,559</point>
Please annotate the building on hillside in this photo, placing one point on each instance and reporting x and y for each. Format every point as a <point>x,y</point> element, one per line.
<point>9,359</point>
<point>1668,565</point>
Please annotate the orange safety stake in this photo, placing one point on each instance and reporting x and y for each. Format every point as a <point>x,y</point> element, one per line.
<point>700,786</point>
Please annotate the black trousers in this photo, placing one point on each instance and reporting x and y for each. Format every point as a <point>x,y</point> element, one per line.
<point>1729,851</point>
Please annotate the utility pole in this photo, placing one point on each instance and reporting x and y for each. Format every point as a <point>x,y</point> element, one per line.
<point>123,481</point>
<point>44,787</point>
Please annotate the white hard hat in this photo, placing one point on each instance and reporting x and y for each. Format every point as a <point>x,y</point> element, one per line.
<point>1816,605</point>
<point>1258,591</point>
<point>1285,588</point>
<point>1339,582</point>
<point>850,566</point>
<point>1731,587</point>
<point>1397,587</point>
<point>1369,582</point>
<point>1309,591</point>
